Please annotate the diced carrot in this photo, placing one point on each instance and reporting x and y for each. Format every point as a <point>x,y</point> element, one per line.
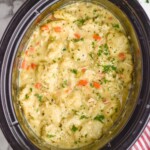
<point>122,56</point>
<point>57,29</point>
<point>28,67</point>
<point>121,76</point>
<point>78,36</point>
<point>82,82</point>
<point>96,37</point>
<point>67,90</point>
<point>38,85</point>
<point>96,85</point>
<point>24,64</point>
<point>83,70</point>
<point>110,18</point>
<point>27,52</point>
<point>44,28</point>
<point>31,49</point>
<point>33,66</point>
<point>37,43</point>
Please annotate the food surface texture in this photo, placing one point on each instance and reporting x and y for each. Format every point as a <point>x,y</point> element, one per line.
<point>75,75</point>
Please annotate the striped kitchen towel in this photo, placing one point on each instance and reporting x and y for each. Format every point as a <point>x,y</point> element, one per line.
<point>143,143</point>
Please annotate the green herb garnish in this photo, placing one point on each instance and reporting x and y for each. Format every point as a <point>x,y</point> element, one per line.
<point>51,38</point>
<point>91,85</point>
<point>105,81</point>
<point>116,110</point>
<point>99,118</point>
<point>26,96</point>
<point>91,55</point>
<point>103,49</point>
<point>93,44</point>
<point>83,117</point>
<point>108,68</point>
<point>74,71</point>
<point>77,40</point>
<point>54,61</point>
<point>115,25</point>
<point>74,111</point>
<point>113,68</point>
<point>99,95</point>
<point>64,49</point>
<point>74,128</point>
<point>50,136</point>
<point>99,52</point>
<point>64,84</point>
<point>39,97</point>
<point>80,22</point>
<point>30,89</point>
<point>95,10</point>
<point>106,51</point>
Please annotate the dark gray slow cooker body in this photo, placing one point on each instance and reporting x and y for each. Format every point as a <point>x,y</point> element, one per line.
<point>11,39</point>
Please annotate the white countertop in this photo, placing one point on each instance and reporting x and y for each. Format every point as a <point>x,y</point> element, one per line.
<point>7,10</point>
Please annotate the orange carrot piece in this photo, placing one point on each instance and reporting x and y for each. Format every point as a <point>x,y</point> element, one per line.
<point>110,18</point>
<point>83,70</point>
<point>82,82</point>
<point>57,29</point>
<point>27,52</point>
<point>33,66</point>
<point>24,64</point>
<point>28,67</point>
<point>96,37</point>
<point>31,49</point>
<point>78,36</point>
<point>44,28</point>
<point>96,85</point>
<point>37,43</point>
<point>121,76</point>
<point>38,85</point>
<point>122,56</point>
<point>66,91</point>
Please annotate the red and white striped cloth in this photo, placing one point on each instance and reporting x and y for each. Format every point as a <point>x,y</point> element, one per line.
<point>143,142</point>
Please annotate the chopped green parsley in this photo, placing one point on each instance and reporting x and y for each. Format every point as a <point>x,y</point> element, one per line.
<point>74,128</point>
<point>64,49</point>
<point>115,26</point>
<point>30,89</point>
<point>50,136</point>
<point>99,118</point>
<point>108,68</point>
<point>27,96</point>
<point>77,40</point>
<point>83,117</point>
<point>74,71</point>
<point>39,97</point>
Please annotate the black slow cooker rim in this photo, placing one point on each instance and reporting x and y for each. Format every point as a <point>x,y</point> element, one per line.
<point>140,122</point>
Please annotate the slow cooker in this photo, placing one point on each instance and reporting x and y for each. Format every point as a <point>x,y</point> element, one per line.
<point>136,112</point>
